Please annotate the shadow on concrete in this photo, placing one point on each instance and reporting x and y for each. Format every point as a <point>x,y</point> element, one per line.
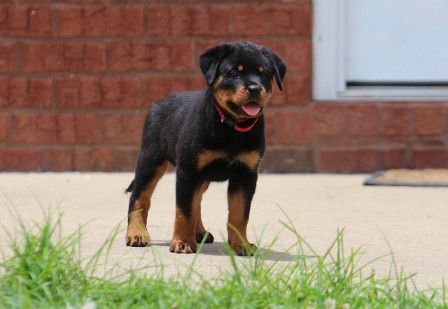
<point>218,248</point>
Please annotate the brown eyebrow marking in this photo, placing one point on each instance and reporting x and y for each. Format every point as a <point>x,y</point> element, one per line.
<point>240,67</point>
<point>261,69</point>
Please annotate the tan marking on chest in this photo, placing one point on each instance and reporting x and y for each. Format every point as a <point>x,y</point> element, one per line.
<point>208,156</point>
<point>251,159</point>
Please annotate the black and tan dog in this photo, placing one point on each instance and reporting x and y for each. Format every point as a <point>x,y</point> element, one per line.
<point>211,135</point>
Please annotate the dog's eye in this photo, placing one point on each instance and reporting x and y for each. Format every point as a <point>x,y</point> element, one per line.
<point>265,74</point>
<point>233,73</point>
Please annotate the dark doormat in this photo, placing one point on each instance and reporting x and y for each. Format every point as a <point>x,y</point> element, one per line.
<point>408,177</point>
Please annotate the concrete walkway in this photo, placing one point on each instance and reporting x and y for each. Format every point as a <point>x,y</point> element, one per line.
<point>412,220</point>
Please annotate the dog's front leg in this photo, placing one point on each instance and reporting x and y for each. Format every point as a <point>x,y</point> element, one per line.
<point>188,197</point>
<point>240,192</point>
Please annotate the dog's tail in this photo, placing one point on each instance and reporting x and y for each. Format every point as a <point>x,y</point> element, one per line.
<point>130,188</point>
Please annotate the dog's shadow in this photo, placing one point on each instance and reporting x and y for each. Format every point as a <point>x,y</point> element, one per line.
<point>218,248</point>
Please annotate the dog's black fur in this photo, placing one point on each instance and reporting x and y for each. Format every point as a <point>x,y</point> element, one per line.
<point>187,130</point>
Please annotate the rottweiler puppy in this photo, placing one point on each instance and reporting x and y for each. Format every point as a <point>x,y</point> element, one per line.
<point>212,135</point>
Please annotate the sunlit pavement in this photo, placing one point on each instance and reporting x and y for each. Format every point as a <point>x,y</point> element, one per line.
<point>412,222</point>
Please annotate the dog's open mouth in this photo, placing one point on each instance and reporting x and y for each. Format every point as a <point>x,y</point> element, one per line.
<point>251,109</point>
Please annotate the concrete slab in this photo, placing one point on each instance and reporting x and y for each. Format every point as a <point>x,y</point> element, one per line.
<point>412,220</point>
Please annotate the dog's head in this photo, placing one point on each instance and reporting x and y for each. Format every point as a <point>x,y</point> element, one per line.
<point>240,76</point>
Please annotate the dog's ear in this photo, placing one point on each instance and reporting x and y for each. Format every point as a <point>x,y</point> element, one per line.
<point>210,60</point>
<point>278,65</point>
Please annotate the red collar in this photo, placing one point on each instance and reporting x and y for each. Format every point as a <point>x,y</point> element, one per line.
<point>234,124</point>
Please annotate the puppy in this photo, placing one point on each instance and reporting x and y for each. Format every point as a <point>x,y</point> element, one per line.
<point>212,135</point>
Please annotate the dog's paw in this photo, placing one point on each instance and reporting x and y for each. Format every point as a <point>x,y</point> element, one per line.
<point>244,249</point>
<point>137,238</point>
<point>179,246</point>
<point>208,240</point>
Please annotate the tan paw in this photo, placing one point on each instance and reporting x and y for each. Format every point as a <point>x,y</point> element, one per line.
<point>137,238</point>
<point>244,249</point>
<point>179,246</point>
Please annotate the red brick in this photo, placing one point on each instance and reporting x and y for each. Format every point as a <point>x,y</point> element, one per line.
<point>191,20</point>
<point>330,119</point>
<point>430,119</point>
<point>25,92</point>
<point>294,1</point>
<point>396,119</point>
<point>346,160</point>
<point>363,119</point>
<point>70,22</point>
<point>80,92</point>
<point>34,129</point>
<point>431,140</point>
<point>16,19</point>
<point>121,92</point>
<point>65,1</point>
<point>25,21</point>
<point>124,159</point>
<point>78,128</point>
<point>334,161</point>
<point>270,120</point>
<point>7,56</point>
<point>156,1</point>
<point>296,91</point>
<point>39,21</point>
<point>366,160</point>
<point>254,19</point>
<point>21,160</point>
<point>61,56</point>
<point>122,128</point>
<point>150,56</point>
<point>85,128</point>
<point>52,128</point>
<point>92,92</point>
<point>436,157</point>
<point>293,128</point>
<point>100,21</point>
<point>392,158</point>
<point>104,159</point>
<point>287,161</point>
<point>61,160</point>
<point>93,159</point>
<point>158,87</point>
<point>4,127</point>
<point>159,20</point>
<point>360,159</point>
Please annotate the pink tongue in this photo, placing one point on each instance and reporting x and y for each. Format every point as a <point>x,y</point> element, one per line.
<point>251,109</point>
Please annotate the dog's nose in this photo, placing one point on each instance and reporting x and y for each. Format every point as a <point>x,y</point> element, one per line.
<point>253,89</point>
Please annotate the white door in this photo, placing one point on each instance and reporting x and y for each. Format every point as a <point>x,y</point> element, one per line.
<point>396,41</point>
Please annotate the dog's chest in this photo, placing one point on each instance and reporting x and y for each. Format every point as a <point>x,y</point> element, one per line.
<point>249,159</point>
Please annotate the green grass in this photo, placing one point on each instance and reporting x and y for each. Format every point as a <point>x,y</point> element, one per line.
<point>46,270</point>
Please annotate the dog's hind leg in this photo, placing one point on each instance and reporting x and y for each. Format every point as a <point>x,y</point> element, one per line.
<point>148,173</point>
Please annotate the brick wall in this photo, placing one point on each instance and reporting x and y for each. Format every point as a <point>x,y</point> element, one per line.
<point>78,76</point>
